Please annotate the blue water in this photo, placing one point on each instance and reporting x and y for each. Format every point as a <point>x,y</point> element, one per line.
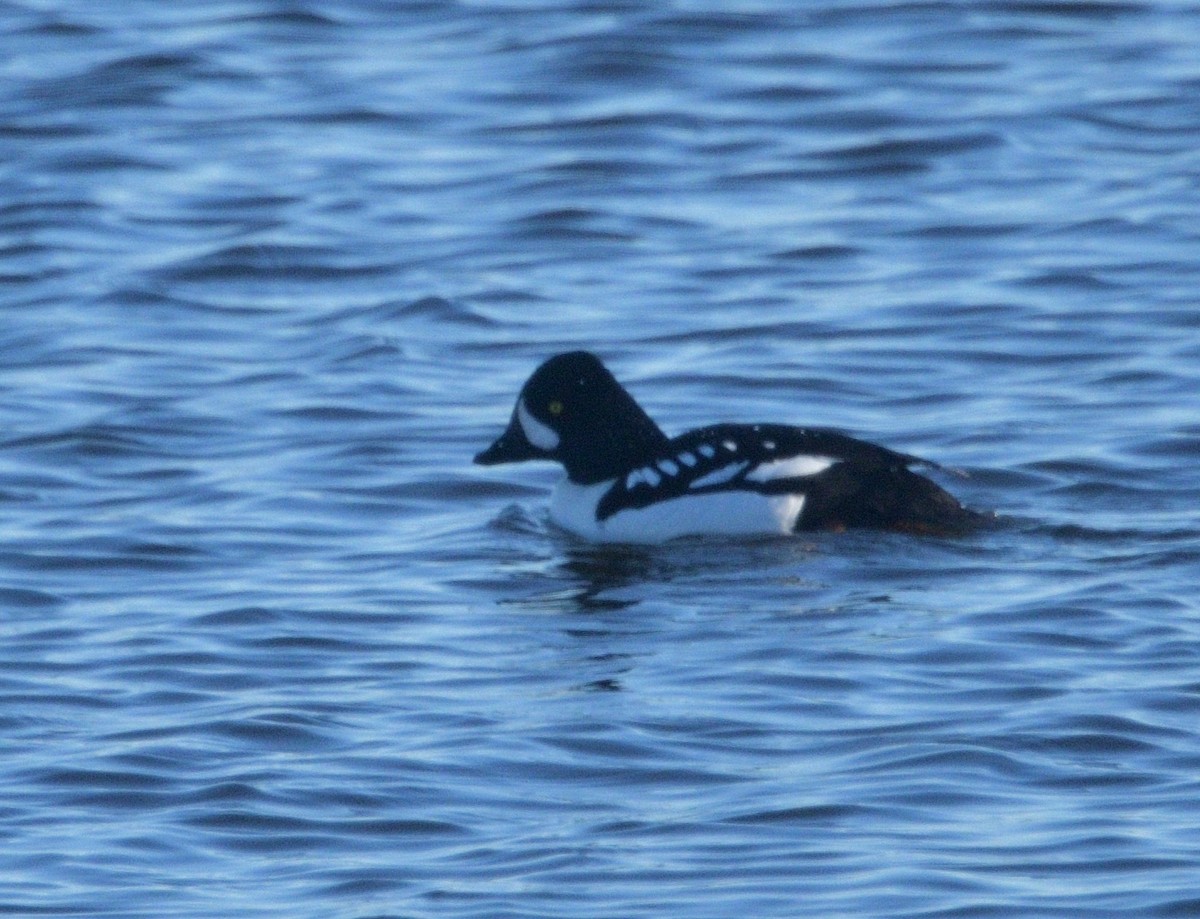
<point>272,272</point>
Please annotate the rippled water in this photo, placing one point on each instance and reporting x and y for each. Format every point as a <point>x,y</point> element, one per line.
<point>273,272</point>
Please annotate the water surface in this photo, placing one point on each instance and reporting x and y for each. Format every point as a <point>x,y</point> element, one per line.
<point>273,272</point>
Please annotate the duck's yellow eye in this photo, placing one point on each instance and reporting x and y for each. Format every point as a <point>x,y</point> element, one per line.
<point>554,408</point>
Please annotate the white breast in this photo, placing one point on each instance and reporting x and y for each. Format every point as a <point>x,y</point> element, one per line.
<point>737,513</point>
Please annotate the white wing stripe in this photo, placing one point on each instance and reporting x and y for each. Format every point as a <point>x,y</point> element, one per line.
<point>790,468</point>
<point>718,476</point>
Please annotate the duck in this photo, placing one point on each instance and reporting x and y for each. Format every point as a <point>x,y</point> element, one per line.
<point>628,482</point>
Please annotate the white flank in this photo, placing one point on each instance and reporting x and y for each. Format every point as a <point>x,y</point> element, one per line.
<point>790,468</point>
<point>733,513</point>
<point>540,435</point>
<point>719,476</point>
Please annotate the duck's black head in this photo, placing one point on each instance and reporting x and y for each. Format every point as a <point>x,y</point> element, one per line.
<point>573,411</point>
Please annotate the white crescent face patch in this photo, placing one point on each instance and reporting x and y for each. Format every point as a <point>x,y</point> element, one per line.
<point>540,435</point>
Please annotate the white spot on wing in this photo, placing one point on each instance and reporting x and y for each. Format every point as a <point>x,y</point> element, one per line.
<point>540,435</point>
<point>790,468</point>
<point>729,445</point>
<point>719,476</point>
<point>688,459</point>
<point>668,467</point>
<point>707,451</point>
<point>639,476</point>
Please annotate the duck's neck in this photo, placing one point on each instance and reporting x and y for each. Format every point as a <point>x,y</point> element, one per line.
<point>619,437</point>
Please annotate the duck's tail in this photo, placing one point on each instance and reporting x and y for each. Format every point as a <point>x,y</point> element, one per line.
<point>893,498</point>
<point>912,503</point>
